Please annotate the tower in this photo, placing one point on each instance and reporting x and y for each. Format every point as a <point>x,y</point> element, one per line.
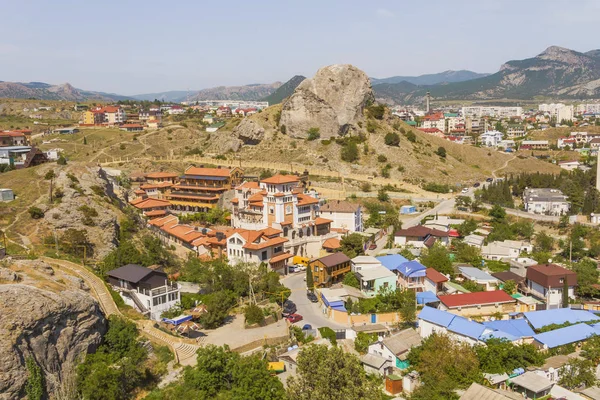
<point>598,172</point>
<point>427,97</point>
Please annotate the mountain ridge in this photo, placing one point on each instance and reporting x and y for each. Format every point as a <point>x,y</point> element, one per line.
<point>448,76</point>
<point>46,91</point>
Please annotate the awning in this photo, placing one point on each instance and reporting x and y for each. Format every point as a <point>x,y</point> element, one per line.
<point>339,307</point>
<point>276,366</point>
<point>426,297</point>
<point>177,320</point>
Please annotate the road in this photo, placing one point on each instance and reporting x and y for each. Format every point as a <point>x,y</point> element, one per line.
<point>311,312</point>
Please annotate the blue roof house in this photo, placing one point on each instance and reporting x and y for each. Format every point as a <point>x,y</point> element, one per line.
<point>560,337</point>
<point>411,275</point>
<point>558,316</point>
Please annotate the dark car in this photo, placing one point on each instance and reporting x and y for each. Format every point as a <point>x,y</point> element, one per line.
<point>477,184</point>
<point>288,308</point>
<point>294,318</point>
<point>489,180</point>
<point>312,297</point>
<point>306,327</point>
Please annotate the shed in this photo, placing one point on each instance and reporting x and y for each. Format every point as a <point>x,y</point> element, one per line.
<point>6,195</point>
<point>532,385</point>
<point>393,384</point>
<point>408,209</point>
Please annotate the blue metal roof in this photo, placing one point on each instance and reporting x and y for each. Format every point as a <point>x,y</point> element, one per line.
<point>426,297</point>
<point>177,320</point>
<point>514,327</point>
<point>498,335</point>
<point>476,273</point>
<point>562,336</point>
<point>392,261</point>
<point>413,269</point>
<point>339,308</point>
<point>436,316</point>
<point>539,319</point>
<point>466,328</point>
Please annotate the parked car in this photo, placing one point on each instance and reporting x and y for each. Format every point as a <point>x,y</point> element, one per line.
<point>489,180</point>
<point>465,190</point>
<point>373,246</point>
<point>300,267</point>
<point>292,269</point>
<point>477,184</point>
<point>306,327</point>
<point>293,318</point>
<point>312,297</point>
<point>288,308</point>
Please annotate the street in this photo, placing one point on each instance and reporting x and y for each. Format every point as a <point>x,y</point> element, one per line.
<point>311,312</point>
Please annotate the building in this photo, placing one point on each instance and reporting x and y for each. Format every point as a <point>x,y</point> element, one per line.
<point>563,142</point>
<point>560,112</point>
<point>479,277</point>
<point>264,246</point>
<point>224,111</point>
<point>12,138</point>
<point>419,236</point>
<point>376,279</point>
<point>531,385</point>
<point>411,275</point>
<point>343,214</point>
<point>515,131</point>
<point>199,189</point>
<point>148,204</point>
<point>545,201</point>
<point>434,121</point>
<point>148,290</point>
<point>109,115</point>
<point>434,281</point>
<point>505,250</point>
<point>570,165</point>
<point>6,195</point>
<point>547,282</point>
<point>534,145</point>
<point>491,138</point>
<point>158,183</point>
<point>132,127</point>
<point>495,112</point>
<point>479,392</point>
<point>21,156</point>
<point>478,303</point>
<point>395,348</point>
<point>330,269</point>
<point>147,115</point>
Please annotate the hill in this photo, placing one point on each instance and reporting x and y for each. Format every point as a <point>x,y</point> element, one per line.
<point>251,92</point>
<point>285,90</point>
<point>432,79</point>
<point>46,91</point>
<point>556,72</point>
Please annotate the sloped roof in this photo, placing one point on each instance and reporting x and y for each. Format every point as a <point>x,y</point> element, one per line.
<point>412,269</point>
<point>392,261</point>
<point>478,392</point>
<point>436,316</point>
<point>374,360</point>
<point>539,319</point>
<point>516,327</point>
<point>333,259</point>
<point>402,342</point>
<point>420,231</point>
<point>466,328</point>
<point>549,275</point>
<point>476,274</point>
<point>532,381</point>
<point>158,175</point>
<point>341,206</point>
<point>280,179</point>
<point>332,243</point>
<point>476,298</point>
<point>131,273</point>
<point>200,171</point>
<point>435,276</point>
<point>567,335</point>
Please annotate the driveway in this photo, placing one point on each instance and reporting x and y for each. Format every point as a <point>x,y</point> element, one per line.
<point>310,311</point>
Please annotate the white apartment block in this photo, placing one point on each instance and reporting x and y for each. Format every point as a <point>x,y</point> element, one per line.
<point>559,111</point>
<point>589,108</point>
<point>496,112</point>
<point>546,201</point>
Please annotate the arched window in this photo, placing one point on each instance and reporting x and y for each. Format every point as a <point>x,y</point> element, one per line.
<point>293,234</point>
<point>285,231</point>
<point>300,233</point>
<point>308,231</point>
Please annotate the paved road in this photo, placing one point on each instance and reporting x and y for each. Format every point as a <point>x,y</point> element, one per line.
<point>310,311</point>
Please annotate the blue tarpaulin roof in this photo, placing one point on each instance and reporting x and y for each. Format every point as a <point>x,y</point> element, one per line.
<point>178,320</point>
<point>562,336</point>
<point>392,261</point>
<point>413,269</point>
<point>426,297</point>
<point>539,319</point>
<point>436,316</point>
<point>514,327</point>
<point>466,328</point>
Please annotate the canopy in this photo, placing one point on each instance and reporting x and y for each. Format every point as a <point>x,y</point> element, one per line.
<point>426,297</point>
<point>177,320</point>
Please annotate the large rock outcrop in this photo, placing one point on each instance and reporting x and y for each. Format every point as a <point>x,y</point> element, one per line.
<point>333,101</point>
<point>249,131</point>
<point>45,315</point>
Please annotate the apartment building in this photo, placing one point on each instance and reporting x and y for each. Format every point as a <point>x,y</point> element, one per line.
<point>559,111</point>
<point>110,115</point>
<point>495,112</point>
<point>546,201</point>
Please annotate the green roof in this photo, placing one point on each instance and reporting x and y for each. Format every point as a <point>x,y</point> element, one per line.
<point>394,377</point>
<point>450,115</point>
<point>411,123</point>
<point>217,125</point>
<point>516,295</point>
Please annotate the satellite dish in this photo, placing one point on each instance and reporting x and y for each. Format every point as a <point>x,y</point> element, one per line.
<point>549,260</point>
<point>365,283</point>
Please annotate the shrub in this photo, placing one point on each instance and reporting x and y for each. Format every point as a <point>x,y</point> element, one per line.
<point>254,315</point>
<point>328,333</point>
<point>61,160</point>
<point>383,196</point>
<point>35,212</point>
<point>441,152</point>
<point>392,139</point>
<point>365,187</point>
<point>220,157</point>
<point>122,146</point>
<point>313,134</point>
<point>376,111</point>
<point>89,213</point>
<point>283,129</point>
<point>410,135</point>
<point>326,142</point>
<point>400,168</point>
<point>381,158</point>
<point>436,187</point>
<point>97,190</point>
<point>58,193</point>
<point>349,152</point>
<point>371,126</point>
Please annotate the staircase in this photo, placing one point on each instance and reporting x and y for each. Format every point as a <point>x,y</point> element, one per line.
<point>138,303</point>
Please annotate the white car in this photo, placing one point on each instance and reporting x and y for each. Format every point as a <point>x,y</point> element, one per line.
<point>300,267</point>
<point>465,190</point>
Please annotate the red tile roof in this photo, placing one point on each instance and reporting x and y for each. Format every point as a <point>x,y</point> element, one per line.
<point>304,200</point>
<point>223,172</point>
<point>420,231</point>
<point>280,257</point>
<point>322,221</point>
<point>280,179</point>
<point>476,298</point>
<point>150,203</point>
<point>435,276</point>
<point>159,175</point>
<point>332,244</point>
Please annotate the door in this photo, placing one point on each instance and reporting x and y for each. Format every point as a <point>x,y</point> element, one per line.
<point>373,318</point>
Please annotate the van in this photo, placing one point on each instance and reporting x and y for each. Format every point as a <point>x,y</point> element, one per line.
<point>299,260</point>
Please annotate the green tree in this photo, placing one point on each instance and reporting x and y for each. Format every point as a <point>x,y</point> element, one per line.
<point>34,388</point>
<point>254,315</point>
<point>408,306</point>
<point>50,176</point>
<point>565,293</point>
<point>591,349</point>
<point>382,195</point>
<point>349,152</point>
<point>437,257</point>
<point>325,374</point>
<point>350,279</point>
<point>587,275</point>
<point>310,283</point>
<point>410,135</point>
<point>578,372</point>
<point>510,287</point>
<point>468,254</point>
<point>61,160</point>
<point>392,139</point>
<point>543,242</point>
<point>352,245</point>
<point>497,213</point>
<point>217,308</point>
<point>85,140</point>
<point>500,355</point>
<point>467,227</point>
<point>35,212</point>
<point>363,340</point>
<point>441,151</point>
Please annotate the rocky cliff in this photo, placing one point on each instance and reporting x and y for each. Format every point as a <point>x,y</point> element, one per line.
<point>333,101</point>
<point>45,315</point>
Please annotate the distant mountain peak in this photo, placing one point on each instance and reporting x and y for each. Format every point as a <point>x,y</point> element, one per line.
<point>561,54</point>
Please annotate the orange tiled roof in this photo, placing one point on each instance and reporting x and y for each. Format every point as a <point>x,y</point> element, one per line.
<point>235,200</point>
<point>223,172</point>
<point>271,231</point>
<point>279,179</point>
<point>155,213</point>
<point>150,203</point>
<point>321,221</point>
<point>157,175</point>
<point>265,244</point>
<point>169,219</point>
<point>147,186</point>
<point>332,243</point>
<point>187,233</point>
<point>249,185</point>
<point>304,200</point>
<point>280,257</point>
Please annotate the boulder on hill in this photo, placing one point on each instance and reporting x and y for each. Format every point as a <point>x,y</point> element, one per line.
<point>333,101</point>
<point>249,132</point>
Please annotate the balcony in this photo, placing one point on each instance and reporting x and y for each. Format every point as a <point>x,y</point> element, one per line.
<point>173,287</point>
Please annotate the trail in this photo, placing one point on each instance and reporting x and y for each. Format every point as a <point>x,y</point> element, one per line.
<point>502,167</point>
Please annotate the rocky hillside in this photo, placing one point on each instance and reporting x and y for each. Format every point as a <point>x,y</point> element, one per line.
<point>332,101</point>
<point>47,316</point>
<point>247,92</point>
<point>285,90</point>
<point>557,72</point>
<point>45,91</point>
<point>432,79</point>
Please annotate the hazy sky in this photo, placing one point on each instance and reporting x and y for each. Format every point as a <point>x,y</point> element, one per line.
<point>131,47</point>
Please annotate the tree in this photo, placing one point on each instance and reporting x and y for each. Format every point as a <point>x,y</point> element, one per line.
<point>309,278</point>
<point>565,293</point>
<point>543,242</point>
<point>35,381</point>
<point>410,135</point>
<point>467,227</point>
<point>408,305</point>
<point>392,139</point>
<point>254,315</point>
<point>437,257</point>
<point>349,152</point>
<point>352,245</point>
<point>376,111</point>
<point>577,373</point>
<point>85,140</point>
<point>313,133</point>
<point>50,176</point>
<point>510,287</point>
<point>217,308</point>
<point>363,340</point>
<point>382,195</point>
<point>468,254</point>
<point>497,213</point>
<point>325,374</point>
<point>587,275</point>
<point>441,151</point>
<point>591,349</point>
<point>351,280</point>
<point>500,355</point>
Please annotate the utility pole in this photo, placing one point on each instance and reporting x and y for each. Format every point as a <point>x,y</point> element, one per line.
<point>571,252</point>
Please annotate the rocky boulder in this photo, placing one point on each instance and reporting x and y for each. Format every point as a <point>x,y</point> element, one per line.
<point>249,131</point>
<point>49,320</point>
<point>333,101</point>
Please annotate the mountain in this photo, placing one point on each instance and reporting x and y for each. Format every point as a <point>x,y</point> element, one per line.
<point>284,91</point>
<point>256,91</point>
<point>174,96</point>
<point>556,72</point>
<point>432,79</point>
<point>46,91</point>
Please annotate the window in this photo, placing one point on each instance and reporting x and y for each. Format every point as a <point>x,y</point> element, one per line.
<point>263,256</point>
<point>562,280</point>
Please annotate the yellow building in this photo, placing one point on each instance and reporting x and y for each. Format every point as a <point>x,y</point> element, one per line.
<point>199,189</point>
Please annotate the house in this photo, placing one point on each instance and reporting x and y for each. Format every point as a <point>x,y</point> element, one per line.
<point>443,223</point>
<point>563,142</point>
<point>224,111</point>
<point>264,246</point>
<point>569,165</point>
<point>148,290</point>
<point>411,275</point>
<point>434,281</point>
<point>432,131</point>
<point>147,204</point>
<point>331,245</point>
<point>490,138</point>
<point>592,393</point>
<point>214,127</point>
<point>545,201</point>
<point>547,282</point>
<point>66,131</point>
<point>434,121</point>
<point>534,145</point>
<point>474,240</point>
<point>395,348</point>
<point>376,279</point>
<point>330,269</point>
<point>366,262</point>
<point>176,110</point>
<point>132,127</point>
<point>479,392</point>
<point>478,303</point>
<point>12,139</point>
<point>410,209</point>
<point>110,115</point>
<point>506,276</point>
<point>344,214</point>
<point>554,366</point>
<point>507,145</point>
<point>148,115</point>
<point>208,119</point>
<point>419,236</point>
<point>505,250</point>
<point>515,131</point>
<point>479,277</point>
<point>516,327</point>
<point>376,364</point>
<point>532,385</point>
<point>558,316</point>
<point>200,189</point>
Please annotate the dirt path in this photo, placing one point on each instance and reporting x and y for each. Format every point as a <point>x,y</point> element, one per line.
<point>502,167</point>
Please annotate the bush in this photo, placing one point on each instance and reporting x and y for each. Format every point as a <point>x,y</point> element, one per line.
<point>376,111</point>
<point>35,212</point>
<point>383,196</point>
<point>365,187</point>
<point>328,333</point>
<point>441,152</point>
<point>392,139</point>
<point>436,187</point>
<point>410,135</point>
<point>371,126</point>
<point>61,160</point>
<point>283,129</point>
<point>326,142</point>
<point>254,315</point>
<point>313,134</point>
<point>349,152</point>
<point>89,213</point>
<point>381,158</point>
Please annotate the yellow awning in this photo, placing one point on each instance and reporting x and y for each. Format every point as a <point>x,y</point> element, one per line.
<point>277,366</point>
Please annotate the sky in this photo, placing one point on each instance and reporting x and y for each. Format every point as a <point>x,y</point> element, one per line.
<point>132,47</point>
